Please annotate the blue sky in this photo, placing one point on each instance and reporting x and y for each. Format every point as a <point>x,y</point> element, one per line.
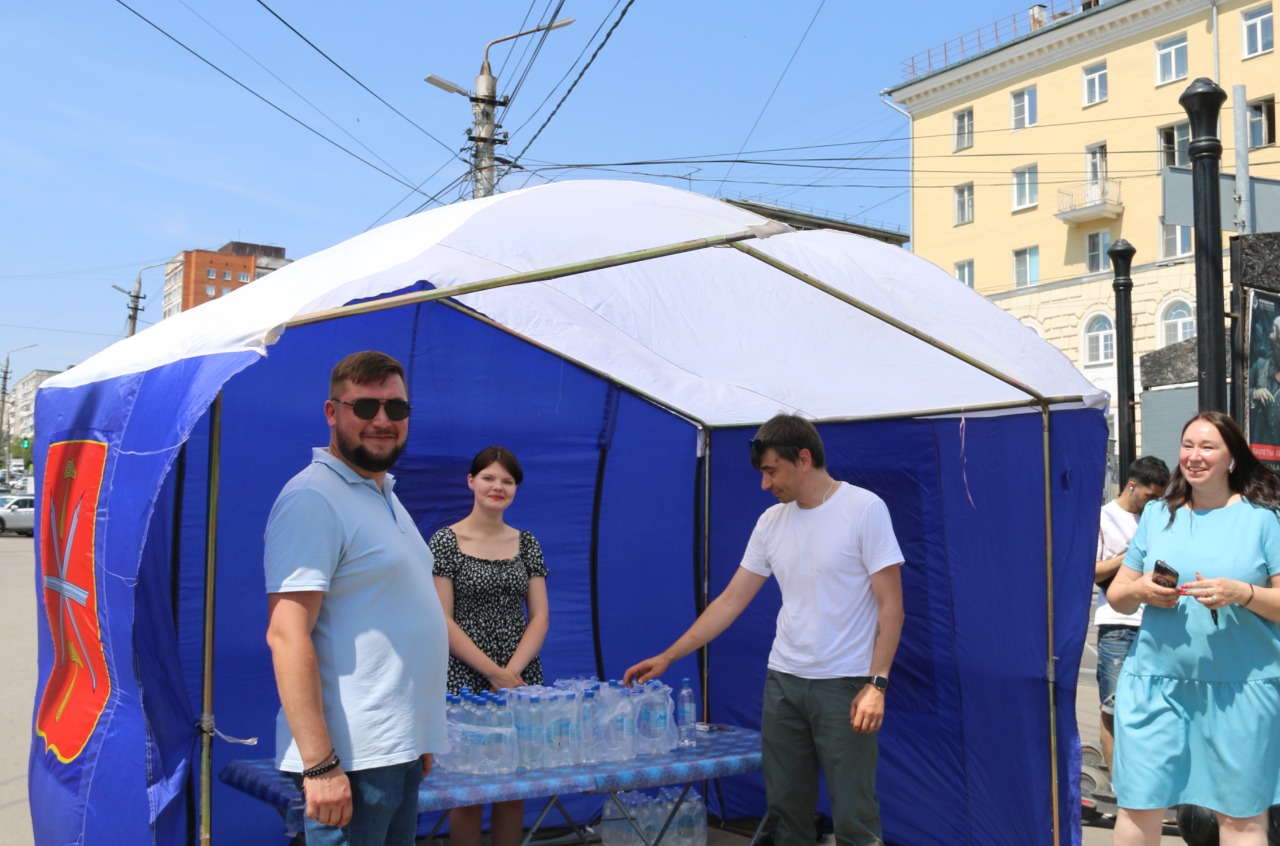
<point>119,148</point>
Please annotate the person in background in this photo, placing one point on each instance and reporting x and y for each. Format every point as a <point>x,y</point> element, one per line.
<point>357,635</point>
<point>832,548</point>
<point>493,585</point>
<point>1147,479</point>
<point>1198,700</point>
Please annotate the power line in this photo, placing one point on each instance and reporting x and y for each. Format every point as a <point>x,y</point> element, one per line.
<point>581,73</point>
<point>778,84</point>
<point>295,91</point>
<point>537,50</point>
<point>353,79</point>
<point>296,120</point>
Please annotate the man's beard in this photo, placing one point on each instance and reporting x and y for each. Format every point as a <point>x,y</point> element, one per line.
<point>360,456</point>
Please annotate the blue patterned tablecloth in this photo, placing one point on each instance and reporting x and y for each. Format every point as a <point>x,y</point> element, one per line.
<point>718,754</point>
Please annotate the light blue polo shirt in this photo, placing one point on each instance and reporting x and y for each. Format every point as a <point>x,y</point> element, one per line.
<point>380,638</point>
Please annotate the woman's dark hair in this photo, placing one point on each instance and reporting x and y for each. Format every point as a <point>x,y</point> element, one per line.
<point>1250,478</point>
<point>502,456</point>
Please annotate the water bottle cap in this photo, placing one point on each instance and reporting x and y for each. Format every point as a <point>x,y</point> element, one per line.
<point>684,681</point>
<point>502,702</point>
<point>589,694</point>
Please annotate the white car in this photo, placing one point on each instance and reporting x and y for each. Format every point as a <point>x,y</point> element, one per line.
<point>18,514</point>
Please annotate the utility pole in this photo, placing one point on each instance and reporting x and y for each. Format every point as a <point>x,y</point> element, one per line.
<point>484,102</point>
<point>136,297</point>
<point>1121,254</point>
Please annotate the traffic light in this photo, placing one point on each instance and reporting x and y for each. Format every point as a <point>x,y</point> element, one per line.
<point>26,442</point>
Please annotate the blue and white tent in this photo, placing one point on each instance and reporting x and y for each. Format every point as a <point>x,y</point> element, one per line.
<point>624,340</point>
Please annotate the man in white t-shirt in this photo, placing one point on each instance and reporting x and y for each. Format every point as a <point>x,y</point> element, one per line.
<point>1148,477</point>
<point>832,548</point>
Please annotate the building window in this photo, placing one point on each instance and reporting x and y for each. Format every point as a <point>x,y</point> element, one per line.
<point>1099,340</point>
<point>211,273</point>
<point>226,276</point>
<point>210,291</point>
<point>1026,267</point>
<point>1171,59</point>
<point>1177,323</point>
<point>244,277</point>
<point>1175,240</point>
<point>1095,83</point>
<point>964,272</point>
<point>964,204</point>
<point>1259,32</point>
<point>1024,108</point>
<point>226,291</point>
<point>1096,245</point>
<point>1174,143</point>
<point>963,123</point>
<point>1262,122</point>
<point>1026,187</point>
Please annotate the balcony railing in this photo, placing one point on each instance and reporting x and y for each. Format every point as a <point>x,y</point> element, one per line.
<point>1087,201</point>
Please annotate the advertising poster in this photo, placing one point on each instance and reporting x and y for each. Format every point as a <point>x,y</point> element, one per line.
<point>1262,384</point>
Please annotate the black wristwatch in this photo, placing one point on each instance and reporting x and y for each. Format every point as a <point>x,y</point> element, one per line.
<point>881,683</point>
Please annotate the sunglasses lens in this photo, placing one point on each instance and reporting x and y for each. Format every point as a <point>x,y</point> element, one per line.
<point>366,409</point>
<point>397,409</point>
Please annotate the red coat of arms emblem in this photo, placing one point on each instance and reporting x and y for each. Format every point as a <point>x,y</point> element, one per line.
<point>79,684</point>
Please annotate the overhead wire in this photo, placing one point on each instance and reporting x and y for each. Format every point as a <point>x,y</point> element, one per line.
<point>777,84</point>
<point>268,102</point>
<point>581,73</point>
<point>352,77</point>
<point>586,46</point>
<point>528,66</point>
<point>295,91</point>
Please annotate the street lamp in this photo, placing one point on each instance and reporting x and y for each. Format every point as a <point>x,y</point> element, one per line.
<point>136,297</point>
<point>483,102</point>
<point>4,402</point>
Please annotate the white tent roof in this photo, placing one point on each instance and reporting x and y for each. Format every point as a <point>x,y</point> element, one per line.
<point>716,333</point>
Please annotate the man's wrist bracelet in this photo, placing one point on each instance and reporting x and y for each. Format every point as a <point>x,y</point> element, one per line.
<point>1245,604</point>
<point>321,769</point>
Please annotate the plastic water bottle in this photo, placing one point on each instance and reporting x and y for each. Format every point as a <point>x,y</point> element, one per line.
<point>537,733</point>
<point>589,730</point>
<point>687,714</point>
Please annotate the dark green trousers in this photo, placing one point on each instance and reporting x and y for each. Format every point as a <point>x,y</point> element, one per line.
<point>806,727</point>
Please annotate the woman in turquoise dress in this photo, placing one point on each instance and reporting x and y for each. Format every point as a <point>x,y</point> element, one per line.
<point>1198,701</point>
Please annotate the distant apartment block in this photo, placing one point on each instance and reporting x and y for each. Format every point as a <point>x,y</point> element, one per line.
<point>21,406</point>
<point>193,277</point>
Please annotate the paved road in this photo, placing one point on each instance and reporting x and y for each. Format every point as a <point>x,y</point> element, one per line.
<point>17,696</point>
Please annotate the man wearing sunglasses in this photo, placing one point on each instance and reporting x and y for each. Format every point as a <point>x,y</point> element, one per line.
<point>356,630</point>
<point>832,549</point>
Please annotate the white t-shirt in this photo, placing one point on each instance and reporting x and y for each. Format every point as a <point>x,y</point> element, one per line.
<point>1115,530</point>
<point>823,558</point>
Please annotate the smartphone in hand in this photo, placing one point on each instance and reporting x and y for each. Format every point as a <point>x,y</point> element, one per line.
<point>1164,575</point>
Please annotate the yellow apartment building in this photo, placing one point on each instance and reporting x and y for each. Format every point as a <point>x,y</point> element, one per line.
<point>1041,140</point>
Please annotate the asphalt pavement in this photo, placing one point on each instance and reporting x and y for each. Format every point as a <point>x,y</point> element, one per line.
<point>17,697</point>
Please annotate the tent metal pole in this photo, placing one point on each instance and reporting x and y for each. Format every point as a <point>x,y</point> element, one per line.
<point>1051,668</point>
<point>211,555</point>
<point>541,275</point>
<point>885,317</point>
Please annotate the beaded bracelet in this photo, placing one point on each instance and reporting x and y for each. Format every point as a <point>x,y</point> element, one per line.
<point>321,769</point>
<point>1245,604</point>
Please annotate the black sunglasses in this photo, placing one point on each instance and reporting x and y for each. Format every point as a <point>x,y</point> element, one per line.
<point>367,408</point>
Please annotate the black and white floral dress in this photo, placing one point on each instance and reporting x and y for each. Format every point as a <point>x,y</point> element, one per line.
<point>488,603</point>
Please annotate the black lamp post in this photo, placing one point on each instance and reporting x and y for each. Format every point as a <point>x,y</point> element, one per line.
<point>1203,101</point>
<point>1122,253</point>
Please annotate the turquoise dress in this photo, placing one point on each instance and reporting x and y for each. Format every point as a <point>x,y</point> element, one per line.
<point>1197,705</point>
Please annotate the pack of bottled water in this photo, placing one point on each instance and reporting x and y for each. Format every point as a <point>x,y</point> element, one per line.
<point>573,721</point>
<point>649,812</point>
<point>482,734</point>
